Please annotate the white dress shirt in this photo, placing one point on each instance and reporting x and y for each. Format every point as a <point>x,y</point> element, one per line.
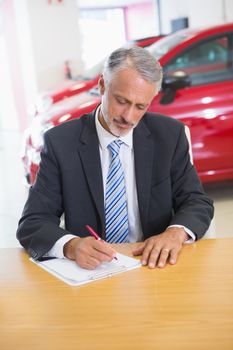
<point>126,155</point>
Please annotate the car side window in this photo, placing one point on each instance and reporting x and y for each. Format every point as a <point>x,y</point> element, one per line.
<point>206,62</point>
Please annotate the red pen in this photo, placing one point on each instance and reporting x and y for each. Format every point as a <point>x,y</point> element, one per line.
<point>97,237</point>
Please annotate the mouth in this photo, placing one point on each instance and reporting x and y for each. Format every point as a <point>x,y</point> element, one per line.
<point>123,124</point>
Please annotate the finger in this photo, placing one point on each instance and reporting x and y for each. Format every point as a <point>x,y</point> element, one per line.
<point>87,262</point>
<point>163,257</point>
<point>153,257</point>
<point>101,256</point>
<point>104,248</point>
<point>139,250</point>
<point>174,256</point>
<point>92,247</point>
<point>150,254</point>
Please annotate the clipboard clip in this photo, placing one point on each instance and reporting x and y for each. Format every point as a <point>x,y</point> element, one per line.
<point>109,274</point>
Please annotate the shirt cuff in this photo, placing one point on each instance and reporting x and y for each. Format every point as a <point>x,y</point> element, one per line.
<point>57,249</point>
<point>192,237</point>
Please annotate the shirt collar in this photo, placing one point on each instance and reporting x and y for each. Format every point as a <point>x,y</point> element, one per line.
<point>105,137</point>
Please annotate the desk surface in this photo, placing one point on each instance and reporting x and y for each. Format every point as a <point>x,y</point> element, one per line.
<point>186,306</point>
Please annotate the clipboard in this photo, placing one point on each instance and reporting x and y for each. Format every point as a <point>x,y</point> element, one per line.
<point>69,272</point>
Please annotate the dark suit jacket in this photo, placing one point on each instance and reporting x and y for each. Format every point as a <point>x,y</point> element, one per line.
<point>70,182</point>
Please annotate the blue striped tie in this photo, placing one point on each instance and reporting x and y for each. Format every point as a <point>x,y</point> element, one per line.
<point>116,215</point>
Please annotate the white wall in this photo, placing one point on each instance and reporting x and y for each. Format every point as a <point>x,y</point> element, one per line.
<point>144,14</point>
<point>25,54</point>
<point>200,13</point>
<point>8,114</point>
<point>55,39</point>
<point>102,32</point>
<point>36,38</point>
<point>228,13</point>
<point>12,94</point>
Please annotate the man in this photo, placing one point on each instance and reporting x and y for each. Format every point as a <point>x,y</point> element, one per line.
<point>145,189</point>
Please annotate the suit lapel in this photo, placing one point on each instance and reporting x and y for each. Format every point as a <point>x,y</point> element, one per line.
<point>89,153</point>
<point>143,158</point>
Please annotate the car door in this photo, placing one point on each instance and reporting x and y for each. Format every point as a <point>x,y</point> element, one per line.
<point>206,106</point>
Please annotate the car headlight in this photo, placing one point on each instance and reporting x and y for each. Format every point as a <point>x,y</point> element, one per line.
<point>37,130</point>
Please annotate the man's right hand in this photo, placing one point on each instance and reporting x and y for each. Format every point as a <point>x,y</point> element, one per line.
<point>88,252</point>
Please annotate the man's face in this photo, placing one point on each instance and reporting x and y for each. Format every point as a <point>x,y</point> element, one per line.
<point>125,99</point>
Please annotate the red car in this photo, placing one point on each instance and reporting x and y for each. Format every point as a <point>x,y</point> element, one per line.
<point>81,83</point>
<point>197,90</point>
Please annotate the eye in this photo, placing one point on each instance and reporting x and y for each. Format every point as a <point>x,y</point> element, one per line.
<point>141,107</point>
<point>121,101</point>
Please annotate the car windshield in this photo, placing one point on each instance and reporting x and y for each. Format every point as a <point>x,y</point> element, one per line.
<point>161,47</point>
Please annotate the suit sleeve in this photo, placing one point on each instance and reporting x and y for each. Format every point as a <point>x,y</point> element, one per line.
<point>192,208</point>
<point>39,225</point>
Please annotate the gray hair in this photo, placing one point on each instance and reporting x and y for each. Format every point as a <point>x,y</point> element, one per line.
<point>137,58</point>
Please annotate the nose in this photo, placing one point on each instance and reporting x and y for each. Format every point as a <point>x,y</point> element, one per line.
<point>128,114</point>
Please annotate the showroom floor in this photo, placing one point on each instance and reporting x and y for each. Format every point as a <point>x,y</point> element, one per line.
<point>13,193</point>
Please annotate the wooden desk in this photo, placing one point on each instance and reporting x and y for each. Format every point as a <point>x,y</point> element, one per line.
<point>187,306</point>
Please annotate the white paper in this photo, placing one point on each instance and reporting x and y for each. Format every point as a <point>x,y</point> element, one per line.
<point>69,272</point>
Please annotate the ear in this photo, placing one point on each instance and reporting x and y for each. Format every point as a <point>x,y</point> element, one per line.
<point>101,85</point>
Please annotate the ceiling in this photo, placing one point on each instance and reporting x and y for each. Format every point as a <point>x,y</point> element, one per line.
<point>109,3</point>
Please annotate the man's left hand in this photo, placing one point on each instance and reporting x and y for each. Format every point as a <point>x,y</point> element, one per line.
<point>160,249</point>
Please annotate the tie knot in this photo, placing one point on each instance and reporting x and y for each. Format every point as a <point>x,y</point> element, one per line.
<point>114,147</point>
